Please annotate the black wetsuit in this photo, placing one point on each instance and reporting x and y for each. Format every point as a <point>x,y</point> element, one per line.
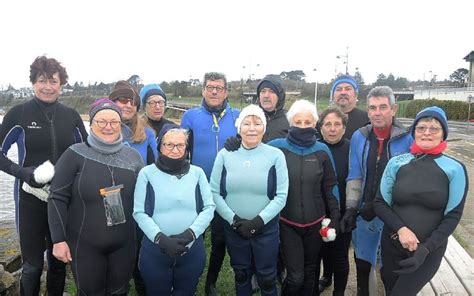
<point>312,188</point>
<point>157,125</point>
<point>42,131</point>
<point>425,193</point>
<point>357,118</point>
<point>103,256</point>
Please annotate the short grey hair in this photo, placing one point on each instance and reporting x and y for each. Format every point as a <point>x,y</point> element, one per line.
<point>382,91</point>
<point>213,76</point>
<point>300,106</point>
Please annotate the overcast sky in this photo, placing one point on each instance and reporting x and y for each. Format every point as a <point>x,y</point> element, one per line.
<point>105,41</point>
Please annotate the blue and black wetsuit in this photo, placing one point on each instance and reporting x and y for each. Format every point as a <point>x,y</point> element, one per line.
<point>251,183</point>
<point>312,192</point>
<point>42,131</point>
<point>168,204</point>
<point>103,257</point>
<point>425,193</point>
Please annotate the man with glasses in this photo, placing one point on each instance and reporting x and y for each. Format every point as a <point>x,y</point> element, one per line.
<point>210,125</point>
<point>153,99</point>
<point>371,148</point>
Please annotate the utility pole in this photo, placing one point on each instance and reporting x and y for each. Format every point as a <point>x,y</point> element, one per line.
<point>315,89</point>
<point>469,101</point>
<point>346,62</point>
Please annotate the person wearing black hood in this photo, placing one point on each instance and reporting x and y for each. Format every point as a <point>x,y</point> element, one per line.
<point>272,95</point>
<point>312,186</point>
<point>43,129</point>
<point>173,206</point>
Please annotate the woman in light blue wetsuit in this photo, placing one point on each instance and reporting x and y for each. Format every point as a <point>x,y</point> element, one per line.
<point>250,186</point>
<point>173,207</point>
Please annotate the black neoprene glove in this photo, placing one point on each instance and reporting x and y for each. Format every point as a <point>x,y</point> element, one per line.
<point>348,221</point>
<point>411,264</point>
<point>335,223</point>
<point>25,174</point>
<point>236,222</point>
<point>233,143</point>
<point>170,246</point>
<point>186,236</point>
<point>248,228</point>
<point>367,211</point>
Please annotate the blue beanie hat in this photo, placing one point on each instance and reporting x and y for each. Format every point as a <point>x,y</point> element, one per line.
<point>435,112</point>
<point>149,90</point>
<point>345,79</point>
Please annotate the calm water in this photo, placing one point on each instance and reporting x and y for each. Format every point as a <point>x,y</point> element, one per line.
<point>7,207</point>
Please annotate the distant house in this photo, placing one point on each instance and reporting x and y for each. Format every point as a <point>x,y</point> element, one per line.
<point>24,92</point>
<point>449,94</point>
<point>470,58</point>
<point>67,88</point>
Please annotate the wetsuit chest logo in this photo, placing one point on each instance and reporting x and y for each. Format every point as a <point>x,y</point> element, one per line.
<point>33,125</point>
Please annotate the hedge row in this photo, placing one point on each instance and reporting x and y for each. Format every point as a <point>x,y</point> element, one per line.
<point>455,110</point>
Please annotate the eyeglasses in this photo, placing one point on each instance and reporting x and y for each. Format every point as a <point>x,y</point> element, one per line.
<point>126,100</point>
<point>103,123</point>
<point>432,129</point>
<point>171,146</point>
<point>153,104</point>
<point>211,88</point>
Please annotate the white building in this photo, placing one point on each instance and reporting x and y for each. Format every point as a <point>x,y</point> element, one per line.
<point>450,94</point>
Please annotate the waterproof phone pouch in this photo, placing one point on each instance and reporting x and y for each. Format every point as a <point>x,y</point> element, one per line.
<point>113,205</point>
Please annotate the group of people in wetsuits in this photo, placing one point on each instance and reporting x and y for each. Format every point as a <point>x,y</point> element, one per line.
<point>281,191</point>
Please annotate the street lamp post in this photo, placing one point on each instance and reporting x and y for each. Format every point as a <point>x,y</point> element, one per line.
<point>315,89</point>
<point>429,86</point>
<point>347,59</point>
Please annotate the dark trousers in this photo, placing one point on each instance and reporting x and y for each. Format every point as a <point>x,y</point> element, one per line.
<point>103,269</point>
<point>218,245</point>
<point>335,257</point>
<point>408,284</point>
<point>363,274</point>
<point>300,248</point>
<point>165,275</point>
<point>35,238</point>
<point>137,278</point>
<point>259,253</point>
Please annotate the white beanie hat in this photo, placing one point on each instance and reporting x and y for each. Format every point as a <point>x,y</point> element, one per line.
<point>249,111</point>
